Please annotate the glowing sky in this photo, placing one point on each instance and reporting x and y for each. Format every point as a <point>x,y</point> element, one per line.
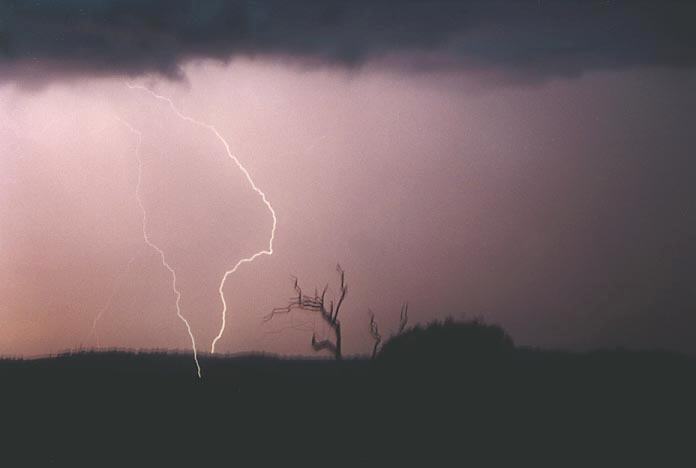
<point>557,201</point>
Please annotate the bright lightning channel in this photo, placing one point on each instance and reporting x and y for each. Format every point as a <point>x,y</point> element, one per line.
<point>154,246</point>
<point>269,250</point>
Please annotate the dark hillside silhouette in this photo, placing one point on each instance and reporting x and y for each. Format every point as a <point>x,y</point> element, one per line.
<point>436,394</point>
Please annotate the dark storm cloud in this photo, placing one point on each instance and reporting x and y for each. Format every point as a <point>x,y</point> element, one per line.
<point>524,38</point>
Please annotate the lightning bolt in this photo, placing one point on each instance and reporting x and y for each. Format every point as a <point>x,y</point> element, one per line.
<point>154,246</point>
<point>240,166</point>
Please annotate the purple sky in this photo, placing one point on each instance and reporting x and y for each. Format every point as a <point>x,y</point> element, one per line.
<point>559,205</point>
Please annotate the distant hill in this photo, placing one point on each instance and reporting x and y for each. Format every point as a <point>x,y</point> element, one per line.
<point>447,393</point>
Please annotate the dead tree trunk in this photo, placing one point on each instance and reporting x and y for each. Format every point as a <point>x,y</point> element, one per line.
<point>328,312</point>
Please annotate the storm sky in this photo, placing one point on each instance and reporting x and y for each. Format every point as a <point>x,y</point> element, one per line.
<point>528,162</point>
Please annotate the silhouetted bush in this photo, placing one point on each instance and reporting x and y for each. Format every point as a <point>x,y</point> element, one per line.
<point>448,341</point>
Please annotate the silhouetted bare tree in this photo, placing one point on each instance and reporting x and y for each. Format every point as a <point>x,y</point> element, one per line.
<point>328,312</point>
<point>374,331</point>
<point>403,318</point>
<point>374,327</point>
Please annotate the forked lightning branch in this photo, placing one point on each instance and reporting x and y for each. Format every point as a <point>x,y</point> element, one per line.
<point>163,258</point>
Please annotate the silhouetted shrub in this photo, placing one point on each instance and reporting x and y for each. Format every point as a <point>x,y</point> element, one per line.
<point>440,342</point>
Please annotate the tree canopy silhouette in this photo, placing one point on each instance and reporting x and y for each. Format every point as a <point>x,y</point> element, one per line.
<point>446,341</point>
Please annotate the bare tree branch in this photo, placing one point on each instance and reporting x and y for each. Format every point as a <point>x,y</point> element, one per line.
<point>403,318</point>
<point>323,345</point>
<point>374,328</point>
<point>374,331</point>
<point>344,291</point>
<point>317,303</point>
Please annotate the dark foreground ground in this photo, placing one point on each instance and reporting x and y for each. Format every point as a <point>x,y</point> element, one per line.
<point>484,408</point>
